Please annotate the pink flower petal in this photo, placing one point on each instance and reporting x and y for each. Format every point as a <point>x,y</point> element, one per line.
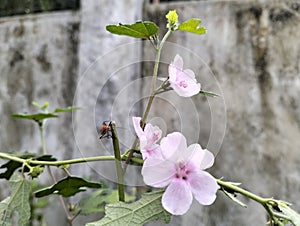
<point>157,173</point>
<point>172,145</point>
<point>177,198</point>
<point>175,67</point>
<point>178,62</point>
<point>190,73</point>
<point>182,81</point>
<point>153,151</point>
<point>137,126</point>
<point>153,133</point>
<point>201,158</point>
<point>204,187</point>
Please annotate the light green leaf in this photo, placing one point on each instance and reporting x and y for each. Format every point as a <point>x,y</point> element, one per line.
<point>141,29</point>
<point>98,199</point>
<point>35,117</point>
<point>67,109</point>
<point>67,187</point>
<point>18,201</point>
<point>147,209</point>
<point>42,107</point>
<point>193,26</point>
<point>209,94</point>
<point>290,213</point>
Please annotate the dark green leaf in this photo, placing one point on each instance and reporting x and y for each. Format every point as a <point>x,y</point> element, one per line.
<point>18,201</point>
<point>97,201</point>
<point>193,26</point>
<point>209,94</point>
<point>67,109</point>
<point>67,187</point>
<point>148,208</point>
<point>141,29</point>
<point>35,117</point>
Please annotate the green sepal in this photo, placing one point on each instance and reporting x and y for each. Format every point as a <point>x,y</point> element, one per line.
<point>209,94</point>
<point>291,214</point>
<point>67,187</point>
<point>232,196</point>
<point>193,26</point>
<point>141,29</point>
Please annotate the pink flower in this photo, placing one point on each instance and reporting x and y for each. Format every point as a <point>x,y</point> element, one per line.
<point>182,81</point>
<point>181,170</point>
<point>148,139</point>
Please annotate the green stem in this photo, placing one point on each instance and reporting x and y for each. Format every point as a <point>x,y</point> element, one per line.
<point>41,128</point>
<point>242,191</point>
<point>118,161</point>
<point>152,94</point>
<point>267,203</point>
<point>65,162</point>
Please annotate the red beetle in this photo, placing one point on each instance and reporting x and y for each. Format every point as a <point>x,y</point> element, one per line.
<point>105,130</point>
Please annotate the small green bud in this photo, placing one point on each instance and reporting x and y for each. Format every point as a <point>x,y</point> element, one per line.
<point>36,171</point>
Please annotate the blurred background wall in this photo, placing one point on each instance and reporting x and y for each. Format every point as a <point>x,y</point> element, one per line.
<point>250,56</point>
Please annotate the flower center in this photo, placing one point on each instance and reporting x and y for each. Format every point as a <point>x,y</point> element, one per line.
<point>182,172</point>
<point>155,137</point>
<point>183,84</point>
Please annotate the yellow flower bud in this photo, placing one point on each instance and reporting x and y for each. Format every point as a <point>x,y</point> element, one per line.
<point>172,17</point>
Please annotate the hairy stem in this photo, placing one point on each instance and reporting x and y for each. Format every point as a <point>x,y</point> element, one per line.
<point>41,128</point>
<point>64,162</point>
<point>152,94</point>
<point>230,186</point>
<point>118,161</point>
<point>267,203</point>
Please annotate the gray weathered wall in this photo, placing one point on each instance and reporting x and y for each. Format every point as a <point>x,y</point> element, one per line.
<point>250,56</point>
<point>253,51</point>
<point>38,62</point>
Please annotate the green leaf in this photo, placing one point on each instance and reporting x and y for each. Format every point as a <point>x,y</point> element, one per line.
<point>290,213</point>
<point>67,187</point>
<point>67,109</point>
<point>147,209</point>
<point>42,107</point>
<point>193,26</point>
<point>35,117</point>
<point>98,199</point>
<point>141,29</point>
<point>18,201</point>
<point>209,94</point>
<point>11,165</point>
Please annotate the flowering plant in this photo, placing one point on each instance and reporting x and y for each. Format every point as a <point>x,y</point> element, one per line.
<point>173,170</point>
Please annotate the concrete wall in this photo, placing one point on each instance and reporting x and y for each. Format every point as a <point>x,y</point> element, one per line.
<point>252,49</point>
<point>38,62</point>
<point>250,56</point>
